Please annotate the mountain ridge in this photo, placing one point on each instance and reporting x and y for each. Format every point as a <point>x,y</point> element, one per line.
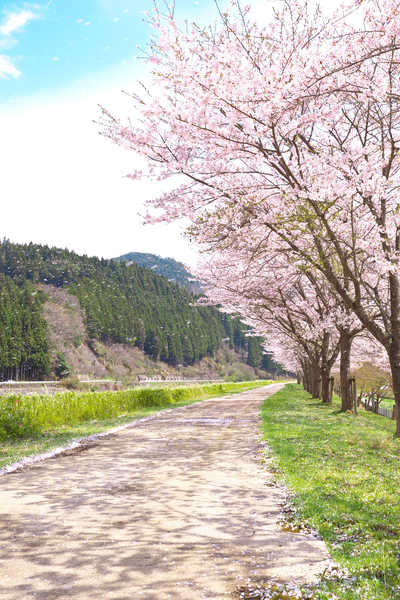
<point>172,269</point>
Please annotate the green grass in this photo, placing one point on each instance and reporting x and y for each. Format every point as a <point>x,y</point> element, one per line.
<point>33,424</point>
<point>387,403</point>
<point>344,472</point>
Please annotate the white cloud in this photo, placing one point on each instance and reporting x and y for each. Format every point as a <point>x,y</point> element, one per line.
<point>13,22</point>
<point>7,69</point>
<point>65,184</point>
<point>55,59</point>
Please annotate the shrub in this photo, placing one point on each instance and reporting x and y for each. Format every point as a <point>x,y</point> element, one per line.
<point>61,368</point>
<point>15,421</point>
<point>72,383</point>
<point>24,416</point>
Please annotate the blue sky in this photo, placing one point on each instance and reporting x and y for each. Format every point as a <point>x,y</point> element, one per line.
<point>51,44</point>
<point>63,184</point>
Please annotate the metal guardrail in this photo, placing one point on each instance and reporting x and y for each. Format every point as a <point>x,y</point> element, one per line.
<point>12,382</point>
<point>59,382</point>
<point>380,410</point>
<point>385,412</point>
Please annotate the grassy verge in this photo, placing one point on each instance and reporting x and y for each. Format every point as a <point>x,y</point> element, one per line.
<point>387,403</point>
<point>34,424</point>
<point>344,471</point>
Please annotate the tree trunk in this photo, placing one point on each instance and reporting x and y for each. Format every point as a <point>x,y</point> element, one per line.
<point>345,351</point>
<point>394,348</point>
<point>306,377</point>
<point>325,386</point>
<point>325,370</point>
<point>394,356</point>
<point>316,381</point>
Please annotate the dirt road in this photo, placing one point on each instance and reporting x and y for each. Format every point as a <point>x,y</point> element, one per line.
<point>173,508</point>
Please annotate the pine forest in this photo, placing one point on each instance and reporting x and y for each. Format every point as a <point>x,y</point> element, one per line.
<point>122,303</point>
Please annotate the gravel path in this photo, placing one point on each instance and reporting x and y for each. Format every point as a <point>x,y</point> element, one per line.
<point>174,508</point>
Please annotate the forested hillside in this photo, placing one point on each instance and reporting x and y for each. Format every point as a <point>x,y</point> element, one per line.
<point>24,350</point>
<point>169,267</point>
<point>122,304</point>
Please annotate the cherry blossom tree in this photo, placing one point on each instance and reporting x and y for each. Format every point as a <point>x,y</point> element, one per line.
<point>277,300</point>
<point>288,132</point>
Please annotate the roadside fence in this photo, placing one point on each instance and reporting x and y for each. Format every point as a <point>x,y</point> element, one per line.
<point>371,402</point>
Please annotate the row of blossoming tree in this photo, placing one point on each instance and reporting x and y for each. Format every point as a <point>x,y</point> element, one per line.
<point>283,139</point>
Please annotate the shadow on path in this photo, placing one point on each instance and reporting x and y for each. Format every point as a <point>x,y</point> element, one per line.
<point>174,508</point>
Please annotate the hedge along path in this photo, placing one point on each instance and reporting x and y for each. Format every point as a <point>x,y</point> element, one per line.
<point>175,507</point>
